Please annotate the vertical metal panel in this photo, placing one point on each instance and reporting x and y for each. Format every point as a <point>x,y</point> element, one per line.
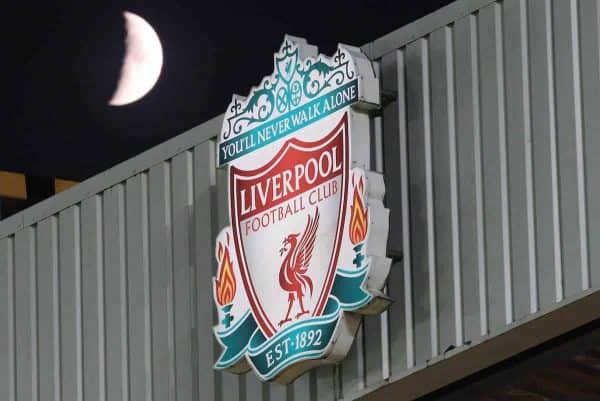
<point>352,368</point>
<point>351,382</point>
<point>422,265</point>
<point>277,391</point>
<point>545,162</point>
<point>115,290</point>
<point>255,389</point>
<point>25,315</point>
<point>182,204</point>
<point>325,383</point>
<point>204,204</point>
<point>7,320</point>
<point>301,388</point>
<point>48,310</point>
<point>161,281</point>
<point>569,129</point>
<point>519,158</point>
<point>493,79</point>
<point>493,135</point>
<point>138,287</point>
<point>443,140</point>
<point>470,186</point>
<point>92,285</point>
<point>392,81</point>
<point>372,343</point>
<point>69,256</point>
<point>589,28</point>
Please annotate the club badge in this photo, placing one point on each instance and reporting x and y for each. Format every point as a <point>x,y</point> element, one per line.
<point>304,255</point>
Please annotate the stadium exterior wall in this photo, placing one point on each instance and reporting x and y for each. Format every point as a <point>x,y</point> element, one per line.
<point>489,141</point>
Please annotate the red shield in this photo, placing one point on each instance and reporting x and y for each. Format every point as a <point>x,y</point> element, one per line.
<point>287,218</point>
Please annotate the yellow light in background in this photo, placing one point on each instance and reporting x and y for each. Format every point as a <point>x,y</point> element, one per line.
<point>13,185</point>
<point>62,185</point>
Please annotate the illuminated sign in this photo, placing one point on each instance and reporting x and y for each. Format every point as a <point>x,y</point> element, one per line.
<point>304,255</point>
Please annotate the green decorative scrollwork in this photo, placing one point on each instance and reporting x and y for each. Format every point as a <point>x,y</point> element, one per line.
<point>293,83</point>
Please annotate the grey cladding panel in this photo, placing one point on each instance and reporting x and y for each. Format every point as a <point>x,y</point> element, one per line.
<point>519,158</point>
<point>505,93</point>
<point>301,388</point>
<point>569,132</point>
<point>7,316</point>
<point>138,286</point>
<point>469,171</point>
<point>493,142</point>
<point>69,256</point>
<point>545,162</point>
<point>589,28</point>
<point>92,288</point>
<point>48,310</point>
<point>418,129</point>
<point>394,122</point>
<point>182,204</point>
<point>255,389</point>
<point>204,202</point>
<point>161,281</point>
<point>444,167</point>
<point>115,290</point>
<point>25,309</point>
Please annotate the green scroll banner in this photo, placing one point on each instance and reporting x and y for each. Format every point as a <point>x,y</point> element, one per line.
<point>307,339</point>
<point>292,121</point>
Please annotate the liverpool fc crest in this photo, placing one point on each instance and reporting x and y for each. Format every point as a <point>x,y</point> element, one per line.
<point>304,255</point>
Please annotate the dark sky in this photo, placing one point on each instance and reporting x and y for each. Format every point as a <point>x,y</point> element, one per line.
<point>62,60</point>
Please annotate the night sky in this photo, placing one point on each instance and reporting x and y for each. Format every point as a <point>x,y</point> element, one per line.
<point>62,61</point>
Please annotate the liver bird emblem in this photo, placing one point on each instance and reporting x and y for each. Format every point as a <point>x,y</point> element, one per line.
<point>293,274</point>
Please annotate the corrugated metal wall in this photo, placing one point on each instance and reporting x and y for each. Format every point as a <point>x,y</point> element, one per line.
<point>494,141</point>
<point>491,152</point>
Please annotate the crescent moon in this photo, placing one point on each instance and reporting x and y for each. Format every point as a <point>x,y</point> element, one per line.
<point>142,62</point>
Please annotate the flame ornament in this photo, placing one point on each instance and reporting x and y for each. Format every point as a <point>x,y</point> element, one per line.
<point>225,285</point>
<point>225,282</point>
<point>359,216</point>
